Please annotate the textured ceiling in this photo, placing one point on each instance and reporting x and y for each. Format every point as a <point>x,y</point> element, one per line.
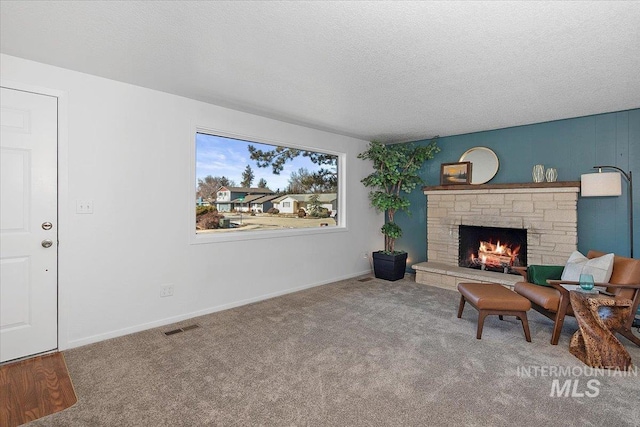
<point>393,71</point>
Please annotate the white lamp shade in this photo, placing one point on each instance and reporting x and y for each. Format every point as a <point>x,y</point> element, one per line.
<point>601,184</point>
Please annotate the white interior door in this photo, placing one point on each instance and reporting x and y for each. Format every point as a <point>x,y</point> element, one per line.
<point>28,223</point>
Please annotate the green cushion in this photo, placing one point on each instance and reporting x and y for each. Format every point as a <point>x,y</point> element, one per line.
<point>539,274</point>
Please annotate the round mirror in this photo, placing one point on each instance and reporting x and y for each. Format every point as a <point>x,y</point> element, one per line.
<point>484,164</point>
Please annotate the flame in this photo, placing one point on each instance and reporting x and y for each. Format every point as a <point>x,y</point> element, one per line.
<point>496,254</point>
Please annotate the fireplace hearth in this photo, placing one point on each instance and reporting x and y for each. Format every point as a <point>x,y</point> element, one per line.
<point>492,248</point>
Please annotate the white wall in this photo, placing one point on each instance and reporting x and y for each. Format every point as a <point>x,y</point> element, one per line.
<point>128,148</point>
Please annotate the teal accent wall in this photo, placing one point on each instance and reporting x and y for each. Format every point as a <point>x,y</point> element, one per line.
<point>573,146</point>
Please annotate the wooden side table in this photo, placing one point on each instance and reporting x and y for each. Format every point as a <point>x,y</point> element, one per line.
<point>594,342</point>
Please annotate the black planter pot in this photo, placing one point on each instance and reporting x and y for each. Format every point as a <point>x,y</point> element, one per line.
<point>389,267</point>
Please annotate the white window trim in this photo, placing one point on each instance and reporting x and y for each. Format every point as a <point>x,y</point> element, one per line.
<point>208,238</point>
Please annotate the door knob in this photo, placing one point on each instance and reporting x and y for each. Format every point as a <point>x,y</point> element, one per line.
<point>47,225</point>
<point>46,243</point>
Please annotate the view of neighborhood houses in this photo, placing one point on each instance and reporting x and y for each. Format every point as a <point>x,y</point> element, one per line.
<point>244,185</point>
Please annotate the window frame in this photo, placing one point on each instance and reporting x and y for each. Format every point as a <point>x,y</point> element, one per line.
<point>196,238</point>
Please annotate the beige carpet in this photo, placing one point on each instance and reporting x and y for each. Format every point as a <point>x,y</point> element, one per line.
<point>347,354</point>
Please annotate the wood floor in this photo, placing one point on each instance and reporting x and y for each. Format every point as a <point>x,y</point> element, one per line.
<point>33,388</point>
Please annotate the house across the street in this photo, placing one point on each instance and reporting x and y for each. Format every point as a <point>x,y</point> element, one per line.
<point>290,203</point>
<point>238,198</point>
<point>263,203</point>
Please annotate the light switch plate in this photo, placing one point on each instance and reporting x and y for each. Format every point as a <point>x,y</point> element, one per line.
<point>84,206</point>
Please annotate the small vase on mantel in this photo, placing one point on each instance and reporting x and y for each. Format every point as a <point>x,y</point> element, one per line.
<point>551,174</point>
<point>538,173</point>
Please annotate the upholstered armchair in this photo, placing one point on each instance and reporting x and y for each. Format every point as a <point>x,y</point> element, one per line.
<point>553,301</point>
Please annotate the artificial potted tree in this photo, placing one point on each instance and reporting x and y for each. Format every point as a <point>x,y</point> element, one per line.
<point>395,172</point>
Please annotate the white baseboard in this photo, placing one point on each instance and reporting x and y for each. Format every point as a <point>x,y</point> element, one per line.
<point>169,320</point>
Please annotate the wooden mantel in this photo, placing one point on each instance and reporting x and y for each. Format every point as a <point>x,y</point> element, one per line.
<point>522,185</point>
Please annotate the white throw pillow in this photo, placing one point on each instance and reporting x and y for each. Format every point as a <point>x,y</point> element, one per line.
<point>600,268</point>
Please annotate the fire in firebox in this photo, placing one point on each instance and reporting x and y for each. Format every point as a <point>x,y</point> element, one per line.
<point>495,255</point>
<point>492,248</point>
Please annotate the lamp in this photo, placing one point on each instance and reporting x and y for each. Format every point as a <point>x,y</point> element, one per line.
<point>609,184</point>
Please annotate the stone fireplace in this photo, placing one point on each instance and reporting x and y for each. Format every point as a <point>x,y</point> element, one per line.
<point>546,212</point>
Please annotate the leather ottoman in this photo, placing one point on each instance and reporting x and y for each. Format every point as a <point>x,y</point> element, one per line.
<point>492,298</point>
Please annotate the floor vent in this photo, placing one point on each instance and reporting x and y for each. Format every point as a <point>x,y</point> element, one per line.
<point>366,279</point>
<point>177,331</point>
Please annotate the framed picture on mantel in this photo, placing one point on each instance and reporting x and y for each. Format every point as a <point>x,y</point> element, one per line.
<point>455,173</point>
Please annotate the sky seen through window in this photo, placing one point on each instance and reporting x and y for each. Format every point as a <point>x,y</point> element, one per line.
<point>222,156</point>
